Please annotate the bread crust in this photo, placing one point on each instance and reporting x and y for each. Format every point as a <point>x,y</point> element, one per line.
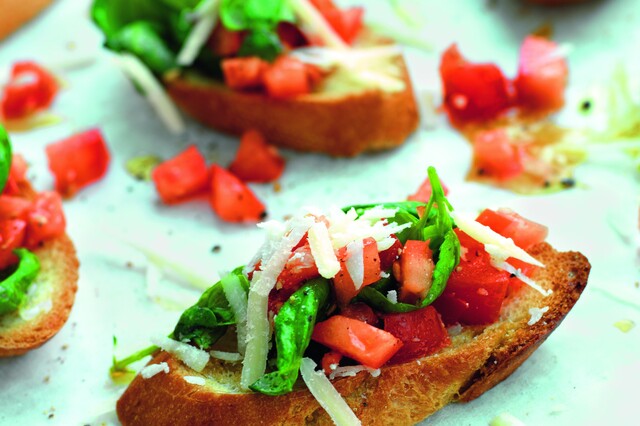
<point>403,394</point>
<point>59,272</point>
<point>16,12</point>
<point>341,125</point>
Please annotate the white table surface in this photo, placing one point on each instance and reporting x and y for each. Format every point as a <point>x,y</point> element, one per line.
<point>587,371</point>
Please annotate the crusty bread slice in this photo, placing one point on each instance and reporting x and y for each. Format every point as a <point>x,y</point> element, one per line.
<point>340,119</point>
<point>57,281</point>
<point>403,394</point>
<point>16,12</point>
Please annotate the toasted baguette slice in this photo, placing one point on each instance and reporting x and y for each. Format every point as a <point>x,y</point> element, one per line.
<point>403,394</point>
<point>341,119</point>
<point>57,281</point>
<point>16,12</point>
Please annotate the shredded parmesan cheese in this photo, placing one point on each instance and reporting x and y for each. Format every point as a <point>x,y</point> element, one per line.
<point>194,380</point>
<point>392,295</point>
<point>226,356</point>
<point>237,299</point>
<point>199,35</point>
<point>193,357</point>
<point>312,19</point>
<point>322,250</point>
<point>326,395</point>
<point>153,369</point>
<point>154,92</point>
<point>355,262</point>
<point>352,370</point>
<point>505,266</point>
<point>536,314</point>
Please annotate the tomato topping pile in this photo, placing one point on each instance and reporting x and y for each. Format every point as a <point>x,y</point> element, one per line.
<point>481,92</point>
<point>187,175</point>
<point>78,161</point>
<point>31,88</point>
<point>26,222</point>
<point>496,156</point>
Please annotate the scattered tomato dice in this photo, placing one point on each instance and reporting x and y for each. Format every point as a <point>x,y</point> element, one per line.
<point>496,156</point>
<point>17,175</point>
<point>256,160</point>
<point>232,200</point>
<point>182,176</point>
<point>78,161</point>
<point>31,88</point>
<point>12,207</point>
<point>542,75</point>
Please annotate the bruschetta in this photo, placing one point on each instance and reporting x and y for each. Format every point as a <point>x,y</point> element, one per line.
<point>405,307</point>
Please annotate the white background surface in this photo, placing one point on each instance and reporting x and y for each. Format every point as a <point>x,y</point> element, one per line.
<point>587,371</point>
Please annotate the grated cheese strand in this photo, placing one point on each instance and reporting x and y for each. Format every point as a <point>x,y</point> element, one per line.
<point>238,302</point>
<point>313,19</point>
<point>326,395</point>
<point>322,250</point>
<point>355,262</point>
<point>258,328</point>
<point>193,357</point>
<point>200,32</point>
<point>506,266</point>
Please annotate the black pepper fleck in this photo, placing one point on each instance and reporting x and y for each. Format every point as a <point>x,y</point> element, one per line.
<point>216,248</point>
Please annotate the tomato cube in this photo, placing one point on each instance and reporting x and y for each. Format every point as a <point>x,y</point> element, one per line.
<point>12,235</point>
<point>542,75</point>
<point>421,332</point>
<point>361,312</point>
<point>12,207</point>
<point>496,156</point>
<point>224,42</point>
<point>17,175</point>
<point>370,346</point>
<point>472,92</point>
<point>78,161</point>
<point>525,233</point>
<point>45,219</point>
<point>287,77</point>
<point>343,283</point>
<point>182,176</point>
<point>232,200</point>
<point>256,160</point>
<point>31,88</point>
<point>330,361</point>
<point>243,73</point>
<point>416,271</point>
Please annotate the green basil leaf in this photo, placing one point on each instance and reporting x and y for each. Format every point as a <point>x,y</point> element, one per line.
<point>143,40</point>
<point>261,42</point>
<point>13,289</point>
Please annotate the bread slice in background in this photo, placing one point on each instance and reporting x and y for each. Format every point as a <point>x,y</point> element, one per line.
<point>57,281</point>
<point>403,394</point>
<point>14,13</point>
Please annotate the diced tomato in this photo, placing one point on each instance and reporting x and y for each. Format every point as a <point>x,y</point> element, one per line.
<point>256,160</point>
<point>12,207</point>
<point>424,192</point>
<point>330,360</point>
<point>45,219</point>
<point>472,92</point>
<point>300,267</point>
<point>475,290</point>
<point>390,255</point>
<point>78,161</point>
<point>361,312</point>
<point>542,75</point>
<point>286,77</point>
<point>416,271</point>
<point>496,156</point>
<point>346,23</point>
<point>232,200</point>
<point>244,73</point>
<point>362,342</point>
<point>291,36</point>
<point>525,233</point>
<point>182,176</point>
<point>421,331</point>
<point>224,42</point>
<point>343,284</point>
<point>17,175</point>
<point>12,234</point>
<point>30,89</point>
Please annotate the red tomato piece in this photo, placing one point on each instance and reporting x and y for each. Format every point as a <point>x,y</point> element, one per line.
<point>244,73</point>
<point>12,207</point>
<point>224,42</point>
<point>525,233</point>
<point>343,284</point>
<point>424,192</point>
<point>421,332</point>
<point>472,92</point>
<point>182,176</point>
<point>330,360</point>
<point>361,312</point>
<point>346,23</point>
<point>542,75</point>
<point>45,219</point>
<point>416,271</point>
<point>12,234</point>
<point>17,175</point>
<point>475,290</point>
<point>78,161</point>
<point>291,36</point>
<point>390,255</point>
<point>232,200</point>
<point>496,156</point>
<point>300,267</point>
<point>31,88</point>
<point>256,160</point>
<point>368,345</point>
<point>286,77</point>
